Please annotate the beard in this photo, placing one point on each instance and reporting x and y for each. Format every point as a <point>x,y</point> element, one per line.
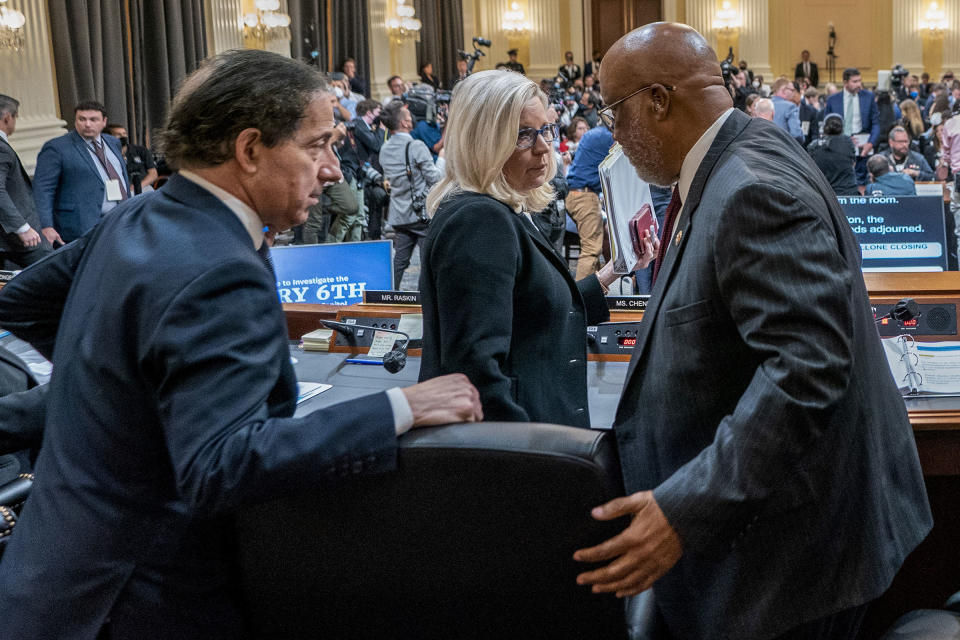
<point>643,149</point>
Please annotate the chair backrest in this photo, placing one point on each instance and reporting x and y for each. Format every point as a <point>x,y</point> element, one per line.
<point>472,537</point>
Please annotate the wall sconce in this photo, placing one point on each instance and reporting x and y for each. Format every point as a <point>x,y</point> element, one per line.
<point>514,23</point>
<point>11,28</point>
<point>727,20</point>
<point>934,22</point>
<point>267,22</point>
<point>402,26</point>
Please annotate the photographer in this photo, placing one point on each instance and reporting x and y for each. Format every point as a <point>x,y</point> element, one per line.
<point>359,141</point>
<point>140,165</point>
<point>369,135</point>
<point>408,167</point>
<point>429,131</point>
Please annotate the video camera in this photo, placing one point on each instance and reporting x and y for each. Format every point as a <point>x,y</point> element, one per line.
<point>897,74</point>
<point>472,58</point>
<point>728,68</point>
<point>424,103</point>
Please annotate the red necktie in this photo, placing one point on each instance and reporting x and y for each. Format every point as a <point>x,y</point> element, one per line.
<point>108,166</point>
<point>669,217</point>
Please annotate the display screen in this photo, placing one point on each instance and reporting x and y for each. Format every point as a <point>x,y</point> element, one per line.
<point>627,342</point>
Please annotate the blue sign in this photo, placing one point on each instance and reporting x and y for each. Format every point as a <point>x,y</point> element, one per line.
<point>898,233</point>
<point>335,273</point>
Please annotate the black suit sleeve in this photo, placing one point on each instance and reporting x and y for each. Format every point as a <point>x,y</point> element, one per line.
<point>10,217</point>
<point>22,417</point>
<point>477,245</point>
<point>31,304</point>
<point>593,299</point>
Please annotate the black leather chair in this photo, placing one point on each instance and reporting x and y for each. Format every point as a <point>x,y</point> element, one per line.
<point>472,537</point>
<point>928,624</point>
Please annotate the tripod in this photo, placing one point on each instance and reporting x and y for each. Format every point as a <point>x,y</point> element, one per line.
<point>831,57</point>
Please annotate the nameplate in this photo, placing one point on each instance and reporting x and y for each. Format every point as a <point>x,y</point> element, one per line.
<point>391,297</point>
<point>627,303</point>
<point>7,276</point>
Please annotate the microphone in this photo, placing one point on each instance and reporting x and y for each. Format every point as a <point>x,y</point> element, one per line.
<point>393,360</point>
<point>905,310</point>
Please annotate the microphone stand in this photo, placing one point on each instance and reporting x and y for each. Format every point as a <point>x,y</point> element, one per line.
<point>393,361</point>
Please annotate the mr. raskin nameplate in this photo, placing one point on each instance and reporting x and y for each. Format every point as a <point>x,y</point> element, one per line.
<point>391,297</point>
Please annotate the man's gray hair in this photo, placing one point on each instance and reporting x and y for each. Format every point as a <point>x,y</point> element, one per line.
<point>8,105</point>
<point>231,92</point>
<point>895,130</point>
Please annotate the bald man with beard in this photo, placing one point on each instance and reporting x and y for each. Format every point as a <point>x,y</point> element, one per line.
<point>773,482</point>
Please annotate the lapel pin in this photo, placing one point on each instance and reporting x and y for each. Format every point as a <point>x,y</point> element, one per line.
<point>678,238</point>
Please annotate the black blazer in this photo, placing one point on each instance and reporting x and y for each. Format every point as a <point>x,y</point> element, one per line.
<point>814,73</point>
<point>500,306</point>
<point>16,200</point>
<point>759,405</point>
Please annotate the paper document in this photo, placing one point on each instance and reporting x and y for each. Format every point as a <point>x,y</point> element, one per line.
<point>412,325</point>
<point>306,390</point>
<point>624,194</point>
<point>383,342</point>
<point>921,368</point>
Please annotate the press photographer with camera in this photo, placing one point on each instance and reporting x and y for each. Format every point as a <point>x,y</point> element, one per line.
<point>408,166</point>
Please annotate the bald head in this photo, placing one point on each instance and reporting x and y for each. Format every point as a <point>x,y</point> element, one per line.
<point>763,108</point>
<point>683,93</point>
<point>666,52</point>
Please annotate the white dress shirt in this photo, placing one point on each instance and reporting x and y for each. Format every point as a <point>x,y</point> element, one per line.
<point>688,170</point>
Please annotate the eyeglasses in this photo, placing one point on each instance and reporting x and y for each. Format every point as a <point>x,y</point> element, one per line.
<point>606,114</point>
<point>527,136</point>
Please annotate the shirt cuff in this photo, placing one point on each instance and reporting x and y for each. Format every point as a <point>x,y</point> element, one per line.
<point>24,228</point>
<point>402,414</point>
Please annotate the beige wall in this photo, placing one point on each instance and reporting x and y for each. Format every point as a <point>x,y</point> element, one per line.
<point>557,27</point>
<point>864,34</point>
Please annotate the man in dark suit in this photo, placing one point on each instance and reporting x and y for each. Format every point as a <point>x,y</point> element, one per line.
<point>773,479</point>
<point>807,69</point>
<point>171,400</point>
<point>569,70</point>
<point>20,240</point>
<point>80,176</point>
<point>860,117</point>
<point>513,64</point>
<point>810,116</point>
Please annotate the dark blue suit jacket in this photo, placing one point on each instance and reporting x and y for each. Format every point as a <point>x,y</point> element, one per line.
<point>759,406</point>
<point>67,187</point>
<point>869,115</point>
<point>169,408</point>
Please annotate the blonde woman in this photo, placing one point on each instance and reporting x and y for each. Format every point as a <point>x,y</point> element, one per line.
<point>499,304</point>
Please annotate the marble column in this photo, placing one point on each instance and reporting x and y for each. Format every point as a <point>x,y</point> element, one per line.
<point>907,44</point>
<point>755,36</point>
<point>224,27</point>
<point>951,40</point>
<point>28,76</point>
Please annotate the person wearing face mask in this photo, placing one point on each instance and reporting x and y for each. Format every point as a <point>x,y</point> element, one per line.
<point>341,89</point>
<point>140,164</point>
<point>499,304</point>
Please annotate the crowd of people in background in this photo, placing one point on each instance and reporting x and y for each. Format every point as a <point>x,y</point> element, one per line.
<point>865,142</point>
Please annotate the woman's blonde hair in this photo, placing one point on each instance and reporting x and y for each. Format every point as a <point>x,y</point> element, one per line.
<point>911,113</point>
<point>481,135</point>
